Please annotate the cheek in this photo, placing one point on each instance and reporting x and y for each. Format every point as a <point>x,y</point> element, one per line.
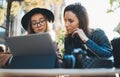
<point>34,29</point>
<point>74,26</point>
<point>69,29</point>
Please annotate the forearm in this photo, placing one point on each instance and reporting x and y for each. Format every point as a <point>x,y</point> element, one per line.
<point>100,50</point>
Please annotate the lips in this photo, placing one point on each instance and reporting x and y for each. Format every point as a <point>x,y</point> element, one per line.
<point>39,30</point>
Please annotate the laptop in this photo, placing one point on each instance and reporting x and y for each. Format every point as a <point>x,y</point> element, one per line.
<point>32,51</point>
<point>33,44</point>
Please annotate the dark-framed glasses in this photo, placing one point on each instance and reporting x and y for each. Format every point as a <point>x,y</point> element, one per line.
<point>40,23</point>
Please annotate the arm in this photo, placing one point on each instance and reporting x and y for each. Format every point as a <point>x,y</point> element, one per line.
<point>100,44</point>
<point>58,52</point>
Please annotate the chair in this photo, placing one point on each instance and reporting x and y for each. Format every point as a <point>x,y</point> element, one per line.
<point>116,51</point>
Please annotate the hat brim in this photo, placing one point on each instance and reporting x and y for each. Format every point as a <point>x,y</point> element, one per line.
<point>26,18</point>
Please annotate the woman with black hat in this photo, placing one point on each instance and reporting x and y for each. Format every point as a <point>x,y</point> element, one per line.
<point>36,21</point>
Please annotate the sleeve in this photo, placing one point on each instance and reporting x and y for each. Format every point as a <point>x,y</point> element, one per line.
<point>58,52</point>
<point>100,44</point>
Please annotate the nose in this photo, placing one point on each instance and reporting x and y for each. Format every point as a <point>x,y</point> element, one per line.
<point>38,24</point>
<point>66,24</point>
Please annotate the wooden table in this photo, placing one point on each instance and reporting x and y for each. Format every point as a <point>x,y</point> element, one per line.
<point>59,72</point>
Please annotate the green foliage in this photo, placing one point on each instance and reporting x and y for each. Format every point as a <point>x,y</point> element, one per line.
<point>2,15</point>
<point>117,29</point>
<point>15,8</point>
<point>111,2</point>
<point>61,37</point>
<point>115,4</point>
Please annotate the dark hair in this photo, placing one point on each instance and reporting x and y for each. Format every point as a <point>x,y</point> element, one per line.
<point>1,49</point>
<point>29,29</point>
<point>81,14</point>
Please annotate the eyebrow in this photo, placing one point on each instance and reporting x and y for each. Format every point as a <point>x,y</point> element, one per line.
<point>35,20</point>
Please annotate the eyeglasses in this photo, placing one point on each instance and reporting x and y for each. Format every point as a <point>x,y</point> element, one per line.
<point>40,23</point>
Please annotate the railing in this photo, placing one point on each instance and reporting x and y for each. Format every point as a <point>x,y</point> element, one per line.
<point>59,72</point>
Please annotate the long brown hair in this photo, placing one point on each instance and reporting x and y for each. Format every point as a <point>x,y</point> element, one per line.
<point>81,14</point>
<point>29,28</point>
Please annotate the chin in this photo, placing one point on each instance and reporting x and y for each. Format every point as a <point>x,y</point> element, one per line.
<point>69,32</point>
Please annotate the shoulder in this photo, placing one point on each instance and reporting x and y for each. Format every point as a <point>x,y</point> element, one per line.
<point>98,31</point>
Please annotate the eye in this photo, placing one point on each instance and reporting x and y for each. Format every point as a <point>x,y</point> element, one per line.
<point>42,21</point>
<point>71,21</point>
<point>34,23</point>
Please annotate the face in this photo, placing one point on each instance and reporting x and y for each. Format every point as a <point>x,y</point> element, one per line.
<point>71,21</point>
<point>38,23</point>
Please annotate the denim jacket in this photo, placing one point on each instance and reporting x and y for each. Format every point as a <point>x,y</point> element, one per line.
<point>97,43</point>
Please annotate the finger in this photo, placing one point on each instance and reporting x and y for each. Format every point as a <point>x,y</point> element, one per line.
<point>74,33</point>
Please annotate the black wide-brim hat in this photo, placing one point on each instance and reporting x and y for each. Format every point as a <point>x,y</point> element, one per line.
<point>26,18</point>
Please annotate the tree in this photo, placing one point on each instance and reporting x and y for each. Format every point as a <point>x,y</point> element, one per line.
<point>114,5</point>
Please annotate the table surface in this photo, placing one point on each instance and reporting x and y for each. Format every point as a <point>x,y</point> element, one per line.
<point>59,72</point>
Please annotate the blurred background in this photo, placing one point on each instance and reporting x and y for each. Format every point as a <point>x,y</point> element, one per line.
<point>104,14</point>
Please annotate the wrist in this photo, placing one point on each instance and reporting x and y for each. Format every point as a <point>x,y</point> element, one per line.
<point>85,40</point>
